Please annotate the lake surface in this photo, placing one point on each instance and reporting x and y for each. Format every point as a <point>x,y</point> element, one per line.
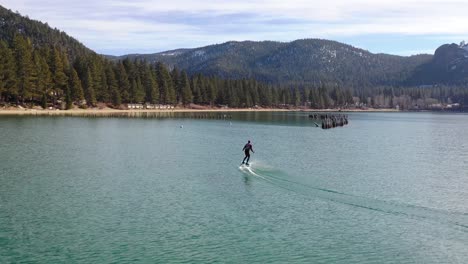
<point>387,188</point>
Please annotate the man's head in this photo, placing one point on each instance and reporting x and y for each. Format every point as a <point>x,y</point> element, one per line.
<point>249,141</point>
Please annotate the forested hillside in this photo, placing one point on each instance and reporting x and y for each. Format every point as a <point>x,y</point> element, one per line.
<point>40,34</point>
<point>301,62</point>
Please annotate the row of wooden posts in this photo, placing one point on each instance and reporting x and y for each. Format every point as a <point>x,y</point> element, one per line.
<point>331,120</point>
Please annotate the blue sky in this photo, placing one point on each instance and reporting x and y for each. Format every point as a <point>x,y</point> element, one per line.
<point>118,27</point>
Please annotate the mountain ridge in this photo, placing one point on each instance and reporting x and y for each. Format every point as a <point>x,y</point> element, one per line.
<point>290,62</point>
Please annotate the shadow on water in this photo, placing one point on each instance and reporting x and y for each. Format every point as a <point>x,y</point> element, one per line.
<point>262,118</point>
<point>282,180</point>
<point>279,118</point>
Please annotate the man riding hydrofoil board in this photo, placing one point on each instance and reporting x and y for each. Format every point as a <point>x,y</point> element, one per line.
<point>247,148</point>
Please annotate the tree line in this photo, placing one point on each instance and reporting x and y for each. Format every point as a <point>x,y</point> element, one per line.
<point>45,76</point>
<point>48,76</point>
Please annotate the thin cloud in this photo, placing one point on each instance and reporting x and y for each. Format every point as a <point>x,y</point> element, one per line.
<point>119,26</point>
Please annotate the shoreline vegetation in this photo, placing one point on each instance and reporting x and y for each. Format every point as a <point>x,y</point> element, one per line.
<point>48,77</point>
<point>111,112</point>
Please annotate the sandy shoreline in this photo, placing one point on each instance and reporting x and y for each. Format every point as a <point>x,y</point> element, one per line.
<point>109,111</point>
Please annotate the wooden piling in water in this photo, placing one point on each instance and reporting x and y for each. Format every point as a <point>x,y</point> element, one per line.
<point>330,120</point>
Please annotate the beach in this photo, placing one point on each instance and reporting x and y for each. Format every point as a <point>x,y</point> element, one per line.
<point>110,111</point>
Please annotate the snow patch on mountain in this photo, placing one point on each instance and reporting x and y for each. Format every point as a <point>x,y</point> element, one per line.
<point>170,53</point>
<point>199,53</point>
<point>464,45</point>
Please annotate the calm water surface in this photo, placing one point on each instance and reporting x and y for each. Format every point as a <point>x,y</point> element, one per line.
<point>388,188</point>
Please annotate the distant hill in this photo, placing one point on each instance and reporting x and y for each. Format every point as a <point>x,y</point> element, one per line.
<point>448,66</point>
<point>41,34</point>
<point>299,62</point>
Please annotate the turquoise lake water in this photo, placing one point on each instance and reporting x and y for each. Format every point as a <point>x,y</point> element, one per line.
<point>387,188</point>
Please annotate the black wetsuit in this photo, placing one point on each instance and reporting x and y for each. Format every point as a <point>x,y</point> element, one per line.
<point>247,148</point>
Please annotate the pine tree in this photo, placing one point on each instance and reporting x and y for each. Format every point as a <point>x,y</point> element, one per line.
<point>254,92</point>
<point>25,67</point>
<point>324,96</point>
<point>133,88</point>
<point>240,87</point>
<point>227,93</point>
<point>185,89</point>
<point>68,99</point>
<point>150,85</point>
<point>297,97</point>
<point>275,97</point>
<point>76,89</point>
<point>44,101</point>
<point>104,93</point>
<point>314,99</point>
<point>247,97</point>
<point>349,97</point>
<point>44,76</point>
<point>201,85</point>
<point>139,91</point>
<point>171,93</point>
<point>211,93</point>
<point>175,76</point>
<point>123,82</point>
<point>270,97</point>
<point>37,89</point>
<point>88,88</point>
<point>234,97</point>
<point>285,96</point>
<point>221,95</point>
<point>99,80</point>
<point>197,97</point>
<point>166,87</point>
<point>131,69</point>
<point>113,87</point>
<point>7,72</point>
<point>59,77</point>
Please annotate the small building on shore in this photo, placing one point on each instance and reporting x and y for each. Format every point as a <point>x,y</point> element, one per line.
<point>149,106</point>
